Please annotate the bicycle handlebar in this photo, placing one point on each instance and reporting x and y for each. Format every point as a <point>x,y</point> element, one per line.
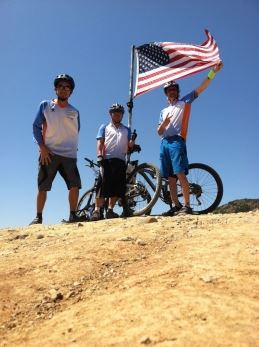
<point>136,148</point>
<point>91,162</point>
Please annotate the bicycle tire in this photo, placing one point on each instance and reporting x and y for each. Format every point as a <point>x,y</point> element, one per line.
<point>143,188</point>
<point>206,188</point>
<point>86,203</point>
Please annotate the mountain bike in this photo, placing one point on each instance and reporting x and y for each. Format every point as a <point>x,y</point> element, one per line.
<point>143,187</point>
<point>206,189</point>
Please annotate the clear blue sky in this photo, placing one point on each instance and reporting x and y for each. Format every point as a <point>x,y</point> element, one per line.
<point>91,40</point>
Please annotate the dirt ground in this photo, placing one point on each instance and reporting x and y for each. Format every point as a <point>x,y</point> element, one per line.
<point>156,281</point>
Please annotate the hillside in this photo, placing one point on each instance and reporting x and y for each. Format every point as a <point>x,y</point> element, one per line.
<point>157,281</point>
<point>240,205</point>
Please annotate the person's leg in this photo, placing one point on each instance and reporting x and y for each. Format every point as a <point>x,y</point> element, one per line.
<point>112,202</point>
<point>111,183</point>
<point>69,171</point>
<point>179,160</point>
<point>98,213</point>
<point>41,200</point>
<point>73,198</point>
<point>117,185</point>
<point>173,191</point>
<point>185,188</point>
<point>46,176</point>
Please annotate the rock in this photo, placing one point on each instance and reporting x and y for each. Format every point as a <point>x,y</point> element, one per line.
<point>40,236</point>
<point>208,278</point>
<point>145,220</point>
<point>20,237</point>
<point>151,220</point>
<point>127,238</point>
<point>145,340</point>
<point>10,325</point>
<point>70,294</point>
<point>140,242</point>
<point>55,295</point>
<point>76,284</point>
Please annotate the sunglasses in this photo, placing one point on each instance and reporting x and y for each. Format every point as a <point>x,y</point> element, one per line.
<point>64,86</point>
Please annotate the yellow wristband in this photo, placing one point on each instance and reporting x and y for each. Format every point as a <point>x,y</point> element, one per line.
<point>211,74</point>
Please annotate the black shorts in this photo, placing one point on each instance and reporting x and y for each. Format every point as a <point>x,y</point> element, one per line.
<point>65,166</point>
<point>113,183</point>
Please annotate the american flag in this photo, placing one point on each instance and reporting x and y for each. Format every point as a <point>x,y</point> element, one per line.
<point>160,62</point>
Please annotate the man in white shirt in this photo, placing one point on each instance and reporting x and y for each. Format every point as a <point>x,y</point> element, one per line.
<point>56,129</point>
<point>113,142</point>
<point>172,127</point>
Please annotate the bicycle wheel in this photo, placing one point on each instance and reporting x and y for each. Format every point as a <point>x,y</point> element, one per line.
<point>143,188</point>
<point>206,188</point>
<point>86,203</point>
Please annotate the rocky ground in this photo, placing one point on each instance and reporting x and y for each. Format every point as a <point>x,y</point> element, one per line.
<point>157,281</point>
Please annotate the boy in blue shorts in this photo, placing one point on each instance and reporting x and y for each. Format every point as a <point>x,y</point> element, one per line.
<point>172,127</point>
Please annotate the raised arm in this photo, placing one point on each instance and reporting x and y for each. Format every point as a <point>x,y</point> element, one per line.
<point>204,85</point>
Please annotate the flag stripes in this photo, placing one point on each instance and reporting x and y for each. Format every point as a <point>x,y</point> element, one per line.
<point>160,62</point>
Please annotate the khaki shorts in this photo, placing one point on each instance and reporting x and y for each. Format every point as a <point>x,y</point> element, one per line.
<point>65,166</point>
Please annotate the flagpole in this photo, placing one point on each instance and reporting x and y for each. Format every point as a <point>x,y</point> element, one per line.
<point>130,102</point>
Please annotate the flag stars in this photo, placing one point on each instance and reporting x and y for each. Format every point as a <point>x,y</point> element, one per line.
<point>151,56</point>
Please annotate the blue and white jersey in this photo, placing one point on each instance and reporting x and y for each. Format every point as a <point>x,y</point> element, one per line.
<point>57,128</point>
<point>179,113</point>
<point>116,140</point>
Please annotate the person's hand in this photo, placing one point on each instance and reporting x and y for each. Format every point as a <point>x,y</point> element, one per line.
<point>45,154</point>
<point>100,160</point>
<point>134,135</point>
<point>218,67</point>
<point>166,121</point>
<point>130,105</point>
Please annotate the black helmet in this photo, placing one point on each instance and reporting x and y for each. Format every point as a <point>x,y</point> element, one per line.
<point>172,84</point>
<point>116,108</point>
<point>64,77</point>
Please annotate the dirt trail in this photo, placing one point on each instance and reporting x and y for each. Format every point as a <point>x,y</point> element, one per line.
<point>157,281</point>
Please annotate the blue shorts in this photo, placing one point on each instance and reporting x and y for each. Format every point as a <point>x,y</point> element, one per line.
<point>173,156</point>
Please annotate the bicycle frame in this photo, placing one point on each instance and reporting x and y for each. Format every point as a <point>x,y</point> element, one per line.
<point>143,184</point>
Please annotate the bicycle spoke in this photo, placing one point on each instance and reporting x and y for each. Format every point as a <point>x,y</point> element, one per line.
<point>206,188</point>
<point>143,188</point>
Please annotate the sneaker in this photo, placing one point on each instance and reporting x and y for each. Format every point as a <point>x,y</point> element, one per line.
<point>95,216</point>
<point>73,218</point>
<point>127,213</point>
<point>110,214</point>
<point>185,210</point>
<point>172,211</point>
<point>36,220</point>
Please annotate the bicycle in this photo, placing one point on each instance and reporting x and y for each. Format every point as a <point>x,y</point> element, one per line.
<point>143,187</point>
<point>206,189</point>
